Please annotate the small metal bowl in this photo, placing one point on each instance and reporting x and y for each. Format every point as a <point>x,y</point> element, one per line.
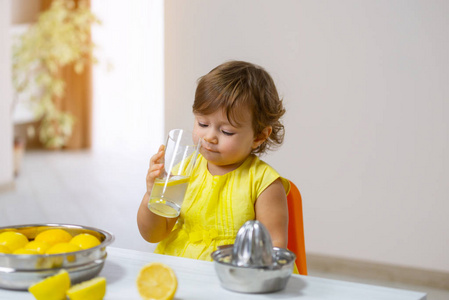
<point>254,279</point>
<point>18,272</point>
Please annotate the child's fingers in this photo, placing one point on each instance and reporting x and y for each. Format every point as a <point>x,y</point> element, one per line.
<point>156,167</point>
<point>158,157</point>
<point>155,170</point>
<point>153,173</point>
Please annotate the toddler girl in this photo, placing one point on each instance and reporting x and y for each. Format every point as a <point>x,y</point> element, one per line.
<point>237,115</point>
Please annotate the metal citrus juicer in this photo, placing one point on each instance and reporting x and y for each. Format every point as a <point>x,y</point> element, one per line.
<point>253,246</point>
<point>252,264</point>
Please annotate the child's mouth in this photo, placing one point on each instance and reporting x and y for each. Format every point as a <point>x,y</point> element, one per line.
<point>205,146</point>
<point>210,150</point>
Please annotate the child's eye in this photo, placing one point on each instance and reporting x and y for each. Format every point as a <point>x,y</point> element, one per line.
<point>202,124</point>
<point>227,133</point>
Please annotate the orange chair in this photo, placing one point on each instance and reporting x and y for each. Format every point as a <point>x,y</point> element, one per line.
<point>296,228</point>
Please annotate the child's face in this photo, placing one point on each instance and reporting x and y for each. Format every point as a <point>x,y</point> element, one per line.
<point>224,146</point>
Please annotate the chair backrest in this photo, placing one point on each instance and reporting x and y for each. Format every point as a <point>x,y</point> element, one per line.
<point>296,228</point>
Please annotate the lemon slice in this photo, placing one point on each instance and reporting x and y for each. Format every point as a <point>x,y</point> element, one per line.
<point>157,281</point>
<point>93,289</point>
<point>175,180</point>
<point>51,288</point>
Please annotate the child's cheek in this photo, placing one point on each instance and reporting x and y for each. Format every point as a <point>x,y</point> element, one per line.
<point>195,137</point>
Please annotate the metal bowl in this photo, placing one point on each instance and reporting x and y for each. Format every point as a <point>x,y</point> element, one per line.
<point>254,279</point>
<point>18,272</point>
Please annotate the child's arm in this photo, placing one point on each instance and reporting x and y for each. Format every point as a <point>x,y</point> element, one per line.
<point>153,228</point>
<point>272,210</point>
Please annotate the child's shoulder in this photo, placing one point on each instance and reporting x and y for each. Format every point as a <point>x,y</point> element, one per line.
<point>257,164</point>
<point>262,169</point>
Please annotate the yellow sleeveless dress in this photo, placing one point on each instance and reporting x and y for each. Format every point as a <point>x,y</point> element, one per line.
<point>215,207</point>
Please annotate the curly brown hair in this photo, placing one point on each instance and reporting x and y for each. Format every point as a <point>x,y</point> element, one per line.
<point>236,85</point>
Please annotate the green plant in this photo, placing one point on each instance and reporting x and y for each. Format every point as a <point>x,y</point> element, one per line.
<point>60,38</point>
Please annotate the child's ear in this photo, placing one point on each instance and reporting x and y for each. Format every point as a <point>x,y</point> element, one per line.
<point>262,137</point>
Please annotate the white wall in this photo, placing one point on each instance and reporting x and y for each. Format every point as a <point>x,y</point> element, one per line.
<point>366,88</point>
<point>6,138</point>
<point>128,80</point>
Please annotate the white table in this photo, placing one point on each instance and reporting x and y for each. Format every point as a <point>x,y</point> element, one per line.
<point>197,280</point>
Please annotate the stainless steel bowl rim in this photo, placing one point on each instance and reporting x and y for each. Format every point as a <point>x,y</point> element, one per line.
<point>109,238</point>
<point>229,248</point>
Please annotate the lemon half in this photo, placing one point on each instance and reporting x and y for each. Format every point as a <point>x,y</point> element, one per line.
<point>93,289</point>
<point>157,281</point>
<point>52,288</point>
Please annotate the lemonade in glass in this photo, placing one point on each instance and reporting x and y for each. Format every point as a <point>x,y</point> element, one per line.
<point>169,189</point>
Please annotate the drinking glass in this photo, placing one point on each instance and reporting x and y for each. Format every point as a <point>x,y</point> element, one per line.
<point>181,152</point>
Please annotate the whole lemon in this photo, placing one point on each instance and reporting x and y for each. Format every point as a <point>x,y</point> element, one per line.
<point>13,240</point>
<point>4,249</point>
<point>37,246</point>
<point>63,248</point>
<point>54,236</point>
<point>85,241</point>
<point>24,251</point>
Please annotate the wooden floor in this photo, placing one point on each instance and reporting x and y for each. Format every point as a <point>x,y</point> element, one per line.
<point>104,190</point>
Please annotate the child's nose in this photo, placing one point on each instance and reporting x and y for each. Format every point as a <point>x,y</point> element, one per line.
<point>210,137</point>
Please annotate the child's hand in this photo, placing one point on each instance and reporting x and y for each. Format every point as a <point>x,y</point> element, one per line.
<point>156,168</point>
